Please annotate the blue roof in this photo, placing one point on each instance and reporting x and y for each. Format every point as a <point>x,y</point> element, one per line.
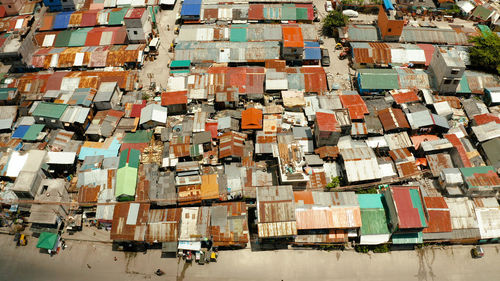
<point>311,44</point>
<point>312,53</point>
<point>20,132</point>
<point>190,10</point>
<point>192,2</point>
<point>61,20</point>
<point>388,5</point>
<point>111,151</point>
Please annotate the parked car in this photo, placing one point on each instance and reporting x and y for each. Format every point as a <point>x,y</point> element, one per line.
<point>325,57</point>
<point>328,6</point>
<point>477,252</point>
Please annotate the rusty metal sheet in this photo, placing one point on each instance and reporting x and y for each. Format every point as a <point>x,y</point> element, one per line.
<point>163,225</point>
<point>125,227</point>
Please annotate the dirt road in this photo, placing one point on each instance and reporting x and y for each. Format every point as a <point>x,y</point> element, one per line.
<point>95,261</point>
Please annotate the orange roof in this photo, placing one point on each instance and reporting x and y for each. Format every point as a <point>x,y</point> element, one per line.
<point>209,187</point>
<point>292,37</point>
<point>251,119</point>
<point>417,140</point>
<point>171,98</point>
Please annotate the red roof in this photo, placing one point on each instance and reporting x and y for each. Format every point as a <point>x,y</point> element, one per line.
<point>356,105</point>
<point>455,141</point>
<point>211,126</point>
<point>292,37</point>
<point>428,51</point>
<point>256,12</point>
<point>486,118</point>
<point>251,118</point>
<point>93,38</point>
<point>136,110</point>
<point>171,98</point>
<point>439,215</point>
<point>89,18</point>
<point>393,118</point>
<point>407,213</point>
<point>134,13</point>
<point>417,140</point>
<point>314,79</point>
<point>405,96</point>
<point>119,35</point>
<point>326,121</point>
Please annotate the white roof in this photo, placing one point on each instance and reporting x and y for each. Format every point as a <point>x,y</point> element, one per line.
<point>360,164</point>
<point>16,163</point>
<point>488,220</point>
<point>177,83</point>
<point>443,108</point>
<point>61,157</point>
<point>153,112</point>
<point>465,6</point>
<point>462,213</point>
<point>48,40</point>
<point>487,131</point>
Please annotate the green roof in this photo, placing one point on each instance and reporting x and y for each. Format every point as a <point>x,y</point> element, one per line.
<point>417,203</point>
<point>407,238</point>
<point>238,34</point>
<point>126,176</point>
<point>33,132</point>
<point>485,30</point>
<point>180,63</point>
<point>374,221</point>
<point>152,11</point>
<point>141,136</point>
<point>180,71</point>
<point>62,39</point>
<point>481,12</point>
<point>50,110</point>
<point>371,201</point>
<point>47,240</point>
<point>302,14</point>
<point>378,79</point>
<point>78,37</point>
<point>469,172</point>
<point>463,86</point>
<point>116,17</point>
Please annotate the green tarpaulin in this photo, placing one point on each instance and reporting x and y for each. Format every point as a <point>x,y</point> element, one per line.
<point>47,240</point>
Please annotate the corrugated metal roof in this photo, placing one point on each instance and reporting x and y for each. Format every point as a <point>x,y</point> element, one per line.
<point>163,225</point>
<point>408,206</point>
<point>439,215</point>
<point>228,224</point>
<point>129,222</point>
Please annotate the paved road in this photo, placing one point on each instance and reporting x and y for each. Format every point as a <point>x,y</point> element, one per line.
<point>86,261</point>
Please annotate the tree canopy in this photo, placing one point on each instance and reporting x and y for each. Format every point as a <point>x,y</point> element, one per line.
<point>333,20</point>
<point>485,53</point>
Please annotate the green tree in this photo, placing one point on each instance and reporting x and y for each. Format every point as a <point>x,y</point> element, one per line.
<point>484,54</point>
<point>333,20</point>
<point>334,183</point>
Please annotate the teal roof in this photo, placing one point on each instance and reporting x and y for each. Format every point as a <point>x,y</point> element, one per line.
<point>141,136</point>
<point>378,79</point>
<point>374,221</point>
<point>47,240</point>
<point>62,39</point>
<point>4,93</point>
<point>302,14</point>
<point>469,172</point>
<point>116,17</point>
<point>470,175</point>
<point>180,63</point>
<point>463,86</point>
<point>407,238</point>
<point>238,34</point>
<point>33,132</point>
<point>485,30</point>
<point>417,203</point>
<point>50,110</point>
<point>371,201</point>
<point>180,71</point>
<point>78,37</point>
<point>110,151</point>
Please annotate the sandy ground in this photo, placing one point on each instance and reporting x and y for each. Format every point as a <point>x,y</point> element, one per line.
<point>159,67</point>
<point>95,261</point>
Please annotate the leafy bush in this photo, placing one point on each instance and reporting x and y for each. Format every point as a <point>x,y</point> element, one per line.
<point>484,54</point>
<point>333,20</point>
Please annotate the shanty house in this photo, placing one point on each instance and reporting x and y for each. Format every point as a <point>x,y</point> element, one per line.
<point>29,178</point>
<point>49,216</point>
<point>163,227</point>
<point>326,130</point>
<point>293,43</point>
<point>194,228</point>
<point>360,164</point>
<point>407,214</point>
<point>228,224</point>
<point>176,102</point>
<point>251,118</point>
<point>108,96</point>
<point>126,176</point>
<point>138,24</point>
<point>439,227</point>
<point>480,181</point>
<point>326,217</point>
<point>76,118</point>
<point>49,114</point>
<point>464,223</point>
<point>488,218</point>
<point>153,115</point>
<point>374,224</point>
<point>129,222</point>
<point>276,212</point>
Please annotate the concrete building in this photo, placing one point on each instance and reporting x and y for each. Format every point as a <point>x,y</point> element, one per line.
<point>138,24</point>
<point>448,69</point>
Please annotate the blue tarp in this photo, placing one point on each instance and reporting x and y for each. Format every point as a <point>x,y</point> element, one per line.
<point>311,44</point>
<point>61,20</point>
<point>190,10</point>
<point>312,53</point>
<point>192,2</point>
<point>388,5</point>
<point>20,132</point>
